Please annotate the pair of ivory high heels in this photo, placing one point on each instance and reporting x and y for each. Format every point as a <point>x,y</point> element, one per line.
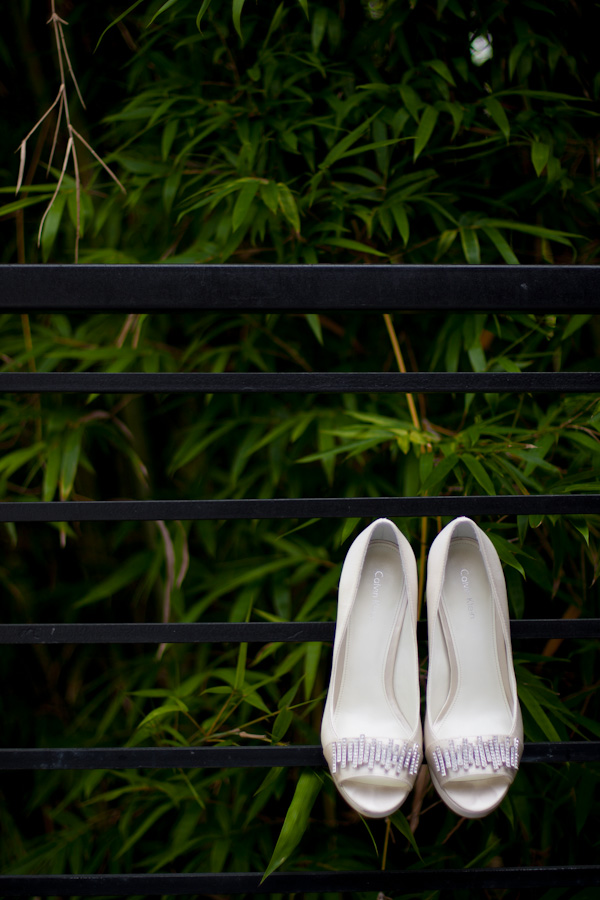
<point>371,732</point>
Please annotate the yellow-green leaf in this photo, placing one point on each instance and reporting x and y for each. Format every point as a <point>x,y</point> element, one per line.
<point>479,473</point>
<point>296,820</point>
<point>289,207</point>
<point>70,461</point>
<point>501,244</point>
<point>354,245</point>
<point>401,219</point>
<point>425,130</point>
<point>242,203</point>
<point>269,194</point>
<point>442,69</point>
<point>470,245</point>
<point>51,472</point>
<point>540,152</point>
<point>496,111</point>
<point>201,14</point>
<point>236,15</point>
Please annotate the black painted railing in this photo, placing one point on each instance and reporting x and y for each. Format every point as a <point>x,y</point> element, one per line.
<point>542,289</point>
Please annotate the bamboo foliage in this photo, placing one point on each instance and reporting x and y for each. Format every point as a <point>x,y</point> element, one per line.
<point>304,133</point>
<point>294,133</point>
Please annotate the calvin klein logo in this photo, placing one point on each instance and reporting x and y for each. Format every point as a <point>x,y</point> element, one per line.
<point>464,578</point>
<point>375,601</point>
<point>377,579</point>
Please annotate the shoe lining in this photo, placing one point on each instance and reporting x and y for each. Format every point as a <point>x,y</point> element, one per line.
<point>470,684</point>
<point>362,703</point>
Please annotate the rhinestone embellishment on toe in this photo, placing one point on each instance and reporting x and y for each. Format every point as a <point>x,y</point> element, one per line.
<point>464,755</point>
<point>393,757</point>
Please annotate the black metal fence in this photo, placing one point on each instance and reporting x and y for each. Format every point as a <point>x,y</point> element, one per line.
<point>287,289</point>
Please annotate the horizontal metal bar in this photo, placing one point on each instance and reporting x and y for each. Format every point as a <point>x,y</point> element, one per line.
<point>234,757</point>
<point>165,288</point>
<point>249,632</point>
<point>396,882</point>
<point>298,382</point>
<point>305,508</point>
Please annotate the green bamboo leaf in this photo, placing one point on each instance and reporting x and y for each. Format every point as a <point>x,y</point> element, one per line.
<point>242,203</point>
<point>445,241</point>
<point>167,5</point>
<point>312,657</point>
<point>574,324</point>
<point>288,206</point>
<point>425,130</point>
<point>10,208</point>
<point>168,137</point>
<point>236,15</point>
<point>282,722</point>
<point>375,145</point>
<point>535,230</point>
<point>530,701</point>
<point>470,245</point>
<point>296,820</point>
<point>442,69</point>
<point>167,709</point>
<point>501,244</point>
<point>440,472</point>
<point>314,321</point>
<point>353,245</point>
<point>479,473</point>
<point>269,194</point>
<point>584,440</point>
<point>52,469</point>
<point>117,20</point>
<point>542,95</point>
<point>10,462</point>
<point>540,153</point>
<point>515,56</point>
<point>304,5</point>
<point>240,669</point>
<point>319,26</point>
<point>346,142</point>
<point>70,461</point>
<point>52,224</point>
<point>201,14</point>
<point>411,100</point>
<point>457,112</point>
<point>496,111</point>
<point>401,219</point>
<point>401,823</point>
<point>147,822</point>
<point>127,573</point>
<point>506,552</point>
<point>583,529</point>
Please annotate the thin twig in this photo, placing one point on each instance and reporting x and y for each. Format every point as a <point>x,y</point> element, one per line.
<point>64,59</point>
<point>77,202</point>
<point>388,829</point>
<point>170,579</point>
<point>22,146</point>
<point>415,420</point>
<point>56,130</point>
<point>47,113</point>
<point>60,181</point>
<point>54,19</point>
<point>62,37</point>
<point>95,155</point>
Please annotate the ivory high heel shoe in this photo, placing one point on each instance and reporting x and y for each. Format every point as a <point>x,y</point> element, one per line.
<point>473,726</point>
<point>371,731</point>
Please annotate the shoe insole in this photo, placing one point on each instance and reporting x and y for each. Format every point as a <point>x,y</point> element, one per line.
<point>472,689</point>
<point>364,705</point>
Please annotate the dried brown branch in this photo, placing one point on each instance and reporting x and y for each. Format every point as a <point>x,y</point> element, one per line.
<point>64,64</point>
